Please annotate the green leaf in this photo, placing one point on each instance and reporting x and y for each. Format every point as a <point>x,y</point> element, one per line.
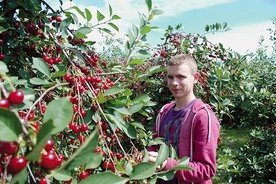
<point>20,178</point>
<point>138,125</point>
<point>43,135</point>
<point>88,15</point>
<point>168,175</point>
<point>117,119</point>
<point>163,154</point>
<point>39,81</point>
<point>207,28</point>
<point>143,52</point>
<point>130,130</point>
<point>145,30</point>
<point>65,23</point>
<point>63,175</point>
<point>95,161</point>
<point>113,26</point>
<point>142,171</point>
<point>84,30</point>
<point>110,10</point>
<point>157,12</point>
<point>113,91</point>
<point>149,4</point>
<point>80,35</point>
<point>60,112</point>
<point>106,30</point>
<point>135,108</point>
<point>79,11</point>
<point>121,110</point>
<point>183,164</point>
<point>144,98</point>
<point>131,38</point>
<point>83,155</point>
<point>115,17</point>
<point>226,102</point>
<point>154,68</point>
<point>137,61</point>
<point>218,26</point>
<point>41,66</point>
<point>3,68</point>
<point>128,168</point>
<point>100,16</point>
<point>224,25</point>
<point>104,178</point>
<point>135,30</point>
<point>219,73</point>
<point>10,126</point>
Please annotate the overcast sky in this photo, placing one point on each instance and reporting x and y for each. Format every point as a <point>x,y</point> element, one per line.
<point>248,19</point>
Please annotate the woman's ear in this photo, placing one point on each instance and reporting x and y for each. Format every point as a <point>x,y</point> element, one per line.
<point>196,77</point>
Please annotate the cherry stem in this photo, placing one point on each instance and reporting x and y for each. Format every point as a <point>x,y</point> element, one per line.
<point>41,96</point>
<point>101,110</point>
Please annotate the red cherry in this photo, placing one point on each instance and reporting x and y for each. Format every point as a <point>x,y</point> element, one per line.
<point>49,145</point>
<point>4,103</point>
<point>117,131</point>
<point>58,19</point>
<point>108,165</point>
<point>16,97</point>
<point>48,161</point>
<point>97,150</point>
<point>59,159</point>
<point>9,148</point>
<point>94,107</point>
<point>43,108</point>
<point>84,174</point>
<point>119,156</point>
<point>55,60</point>
<point>17,164</point>
<point>2,56</point>
<point>74,127</point>
<point>69,181</point>
<point>84,127</point>
<point>31,116</point>
<point>82,139</point>
<point>83,112</point>
<point>46,58</point>
<point>32,46</point>
<point>1,41</point>
<point>68,77</point>
<point>42,181</point>
<point>36,125</point>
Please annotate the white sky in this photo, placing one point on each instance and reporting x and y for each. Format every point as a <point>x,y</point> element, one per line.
<point>241,38</point>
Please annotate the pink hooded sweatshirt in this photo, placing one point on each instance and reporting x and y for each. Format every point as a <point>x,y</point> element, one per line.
<point>198,140</point>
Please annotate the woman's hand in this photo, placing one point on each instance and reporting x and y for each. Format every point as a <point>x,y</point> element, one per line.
<point>152,158</point>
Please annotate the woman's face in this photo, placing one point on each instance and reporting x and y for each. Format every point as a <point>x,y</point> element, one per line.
<point>181,80</point>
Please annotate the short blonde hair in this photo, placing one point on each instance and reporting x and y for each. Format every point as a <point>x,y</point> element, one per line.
<point>184,59</point>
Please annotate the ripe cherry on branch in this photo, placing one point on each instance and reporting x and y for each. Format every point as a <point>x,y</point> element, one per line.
<point>17,164</point>
<point>16,97</point>
<point>4,103</point>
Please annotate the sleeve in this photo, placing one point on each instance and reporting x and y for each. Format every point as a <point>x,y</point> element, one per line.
<point>204,149</point>
<point>158,122</point>
<point>155,133</point>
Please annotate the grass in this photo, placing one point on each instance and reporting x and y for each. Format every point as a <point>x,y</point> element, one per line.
<point>235,138</point>
<point>231,141</point>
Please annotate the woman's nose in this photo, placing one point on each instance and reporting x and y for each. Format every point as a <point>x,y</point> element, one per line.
<point>174,82</point>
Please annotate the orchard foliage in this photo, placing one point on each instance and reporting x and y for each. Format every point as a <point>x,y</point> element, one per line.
<point>67,114</point>
<point>70,114</point>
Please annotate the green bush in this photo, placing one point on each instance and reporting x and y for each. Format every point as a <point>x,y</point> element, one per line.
<point>256,161</point>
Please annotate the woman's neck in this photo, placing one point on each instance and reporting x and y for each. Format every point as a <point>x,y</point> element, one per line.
<point>181,103</point>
